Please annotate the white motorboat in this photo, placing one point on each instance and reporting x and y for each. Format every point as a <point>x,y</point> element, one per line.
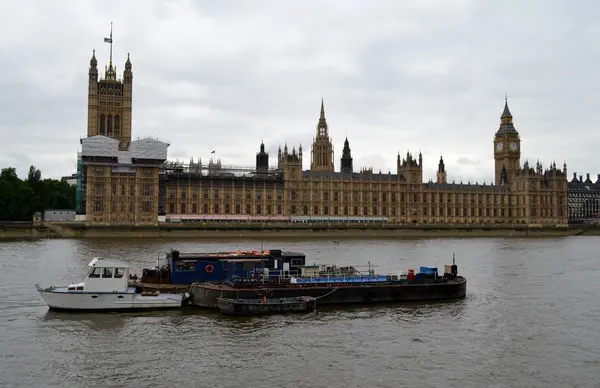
<point>106,287</point>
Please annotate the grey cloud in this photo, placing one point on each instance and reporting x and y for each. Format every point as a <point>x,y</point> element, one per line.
<point>395,76</point>
<point>467,161</point>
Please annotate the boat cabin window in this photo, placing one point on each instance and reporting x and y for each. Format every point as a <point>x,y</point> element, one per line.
<point>119,272</point>
<point>95,272</point>
<point>183,266</point>
<point>297,262</point>
<point>107,273</point>
<point>270,263</point>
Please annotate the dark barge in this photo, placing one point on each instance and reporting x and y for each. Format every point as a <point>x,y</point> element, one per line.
<point>275,273</point>
<point>206,294</point>
<point>335,285</point>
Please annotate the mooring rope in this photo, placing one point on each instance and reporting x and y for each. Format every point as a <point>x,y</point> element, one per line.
<point>329,293</point>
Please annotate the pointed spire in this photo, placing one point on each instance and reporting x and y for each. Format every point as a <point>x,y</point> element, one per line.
<point>93,61</point>
<point>506,112</point>
<point>128,63</point>
<point>322,130</point>
<point>441,166</point>
<point>346,165</point>
<point>506,120</point>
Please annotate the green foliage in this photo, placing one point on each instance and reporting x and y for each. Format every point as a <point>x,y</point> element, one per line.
<point>19,199</point>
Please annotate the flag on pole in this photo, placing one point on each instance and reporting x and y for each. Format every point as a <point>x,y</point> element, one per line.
<point>107,40</point>
<point>212,152</point>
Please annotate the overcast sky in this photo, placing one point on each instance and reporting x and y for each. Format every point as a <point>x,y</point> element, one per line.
<point>395,76</point>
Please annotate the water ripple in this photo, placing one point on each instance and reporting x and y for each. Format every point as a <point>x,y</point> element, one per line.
<point>530,319</point>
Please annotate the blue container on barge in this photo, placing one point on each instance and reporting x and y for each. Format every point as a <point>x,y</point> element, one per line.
<point>182,268</point>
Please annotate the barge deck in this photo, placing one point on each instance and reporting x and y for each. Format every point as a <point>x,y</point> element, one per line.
<point>206,295</point>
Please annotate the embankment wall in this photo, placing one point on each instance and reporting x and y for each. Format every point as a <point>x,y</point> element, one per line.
<point>286,231</point>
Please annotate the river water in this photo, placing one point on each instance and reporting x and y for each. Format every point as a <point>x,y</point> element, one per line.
<point>530,319</point>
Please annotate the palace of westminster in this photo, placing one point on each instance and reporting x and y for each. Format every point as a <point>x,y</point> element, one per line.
<point>121,180</point>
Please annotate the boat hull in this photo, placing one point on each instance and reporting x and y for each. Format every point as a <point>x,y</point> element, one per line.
<point>243,307</point>
<point>205,295</point>
<point>59,299</point>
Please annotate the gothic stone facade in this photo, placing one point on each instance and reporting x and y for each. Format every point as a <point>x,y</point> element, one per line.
<point>119,178</point>
<point>110,102</point>
<point>520,195</point>
<point>584,199</point>
<point>121,186</point>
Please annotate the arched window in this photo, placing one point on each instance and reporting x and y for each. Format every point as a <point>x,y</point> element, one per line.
<point>117,125</point>
<point>109,128</point>
<point>102,125</point>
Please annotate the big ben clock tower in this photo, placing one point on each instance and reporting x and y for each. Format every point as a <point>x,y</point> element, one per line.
<point>507,149</point>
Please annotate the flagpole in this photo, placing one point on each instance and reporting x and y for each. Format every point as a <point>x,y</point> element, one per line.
<point>111,42</point>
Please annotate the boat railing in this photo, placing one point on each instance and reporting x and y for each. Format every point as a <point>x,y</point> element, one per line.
<point>253,277</point>
<point>338,278</point>
<point>262,277</point>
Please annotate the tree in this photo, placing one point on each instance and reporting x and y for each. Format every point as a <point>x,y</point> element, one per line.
<point>19,199</point>
<point>9,174</point>
<point>34,175</point>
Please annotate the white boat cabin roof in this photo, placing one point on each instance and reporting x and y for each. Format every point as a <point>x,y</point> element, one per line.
<point>99,262</point>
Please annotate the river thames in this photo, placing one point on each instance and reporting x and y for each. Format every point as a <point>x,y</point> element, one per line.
<point>530,319</point>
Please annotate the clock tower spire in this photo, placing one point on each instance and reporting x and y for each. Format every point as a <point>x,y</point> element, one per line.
<point>507,148</point>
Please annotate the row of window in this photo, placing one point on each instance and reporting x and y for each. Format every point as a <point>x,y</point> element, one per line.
<point>115,206</point>
<point>146,189</point>
<point>109,125</point>
<point>363,211</point>
<point>583,209</point>
<point>147,172</point>
<point>105,273</point>
<point>374,196</point>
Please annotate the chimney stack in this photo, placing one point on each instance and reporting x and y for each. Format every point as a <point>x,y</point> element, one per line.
<point>581,178</point>
<point>574,176</point>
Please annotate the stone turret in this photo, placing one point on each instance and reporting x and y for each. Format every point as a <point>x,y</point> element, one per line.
<point>346,161</point>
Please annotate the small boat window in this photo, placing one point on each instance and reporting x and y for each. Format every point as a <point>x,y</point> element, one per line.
<point>184,266</point>
<point>107,273</point>
<point>119,272</point>
<point>95,272</point>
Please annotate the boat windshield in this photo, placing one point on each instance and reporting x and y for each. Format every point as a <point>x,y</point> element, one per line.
<point>106,272</point>
<point>94,272</point>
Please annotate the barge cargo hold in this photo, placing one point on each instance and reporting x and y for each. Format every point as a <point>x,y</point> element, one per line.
<point>205,295</point>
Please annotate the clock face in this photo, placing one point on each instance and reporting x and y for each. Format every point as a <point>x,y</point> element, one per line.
<point>513,146</point>
<point>499,146</point>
